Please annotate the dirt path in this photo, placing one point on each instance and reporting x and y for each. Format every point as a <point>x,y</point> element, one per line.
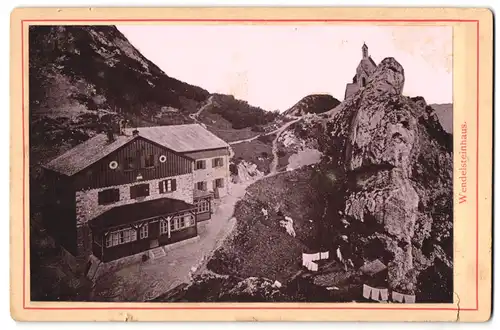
<point>196,115</point>
<point>276,131</point>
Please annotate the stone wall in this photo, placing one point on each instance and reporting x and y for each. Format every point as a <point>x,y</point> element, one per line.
<point>87,206</point>
<point>209,174</point>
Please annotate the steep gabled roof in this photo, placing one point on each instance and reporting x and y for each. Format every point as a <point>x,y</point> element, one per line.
<point>372,61</point>
<point>86,154</point>
<point>182,138</point>
<point>179,138</point>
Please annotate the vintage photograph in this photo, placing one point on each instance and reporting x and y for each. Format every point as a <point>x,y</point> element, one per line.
<point>241,163</point>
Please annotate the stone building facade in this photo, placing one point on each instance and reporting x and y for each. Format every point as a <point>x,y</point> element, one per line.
<point>364,70</point>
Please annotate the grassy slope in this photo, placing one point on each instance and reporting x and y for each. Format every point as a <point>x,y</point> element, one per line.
<point>258,152</point>
<point>259,246</point>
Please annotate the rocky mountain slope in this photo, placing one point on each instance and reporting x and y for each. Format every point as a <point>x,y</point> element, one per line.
<point>382,191</point>
<point>445,114</point>
<point>316,103</point>
<point>81,76</point>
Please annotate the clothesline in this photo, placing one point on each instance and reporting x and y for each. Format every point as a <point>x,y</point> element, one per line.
<point>309,258</point>
<point>383,295</point>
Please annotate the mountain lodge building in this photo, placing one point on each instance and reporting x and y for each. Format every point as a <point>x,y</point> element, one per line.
<point>122,193</point>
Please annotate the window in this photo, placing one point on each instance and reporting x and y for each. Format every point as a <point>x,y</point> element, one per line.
<point>181,221</point>
<point>129,163</point>
<point>121,237</point>
<point>217,162</point>
<point>202,185</point>
<point>163,227</point>
<point>167,186</point>
<point>203,205</point>
<point>149,161</point>
<point>140,190</point>
<point>219,183</point>
<point>201,164</point>
<point>108,196</point>
<point>144,231</point>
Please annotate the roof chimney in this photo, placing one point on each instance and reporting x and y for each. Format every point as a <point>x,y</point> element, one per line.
<point>110,134</point>
<point>122,127</point>
<point>135,132</point>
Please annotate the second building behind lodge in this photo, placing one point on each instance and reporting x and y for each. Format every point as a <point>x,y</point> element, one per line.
<point>125,192</point>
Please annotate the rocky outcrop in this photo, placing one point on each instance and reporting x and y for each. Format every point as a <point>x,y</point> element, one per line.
<point>395,161</point>
<point>316,103</point>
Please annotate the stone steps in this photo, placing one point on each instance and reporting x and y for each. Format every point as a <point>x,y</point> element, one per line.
<point>157,253</point>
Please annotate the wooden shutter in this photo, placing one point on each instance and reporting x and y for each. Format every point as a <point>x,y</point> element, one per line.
<point>174,184</point>
<point>221,161</point>
<point>214,162</point>
<point>133,192</point>
<point>161,186</point>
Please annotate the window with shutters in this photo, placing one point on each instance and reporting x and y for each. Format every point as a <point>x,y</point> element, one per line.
<point>149,161</point>
<point>121,237</point>
<point>202,185</point>
<point>108,196</point>
<point>217,162</point>
<point>201,164</point>
<point>219,183</point>
<point>167,186</point>
<point>140,190</point>
<point>144,231</point>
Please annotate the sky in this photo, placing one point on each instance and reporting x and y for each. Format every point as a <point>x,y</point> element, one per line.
<point>274,66</point>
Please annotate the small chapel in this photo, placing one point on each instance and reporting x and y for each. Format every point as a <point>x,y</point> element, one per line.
<point>364,70</point>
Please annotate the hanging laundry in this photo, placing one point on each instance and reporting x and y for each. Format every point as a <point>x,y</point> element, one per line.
<point>396,296</point>
<point>324,255</point>
<point>314,267</point>
<point>375,294</point>
<point>384,294</point>
<point>339,255</point>
<point>409,299</point>
<point>315,257</point>
<point>306,257</point>
<point>366,291</point>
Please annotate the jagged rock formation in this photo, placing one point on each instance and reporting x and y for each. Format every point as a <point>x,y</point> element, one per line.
<point>317,103</point>
<point>394,163</point>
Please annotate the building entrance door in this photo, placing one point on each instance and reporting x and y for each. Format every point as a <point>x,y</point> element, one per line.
<point>153,243</point>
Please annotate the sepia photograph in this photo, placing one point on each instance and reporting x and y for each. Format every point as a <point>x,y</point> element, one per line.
<point>241,163</point>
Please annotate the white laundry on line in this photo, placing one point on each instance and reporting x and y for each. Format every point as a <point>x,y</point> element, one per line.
<point>375,294</point>
<point>366,291</point>
<point>384,294</point>
<point>396,296</point>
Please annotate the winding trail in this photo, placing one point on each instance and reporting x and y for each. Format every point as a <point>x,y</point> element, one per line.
<point>276,131</point>
<point>196,115</point>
